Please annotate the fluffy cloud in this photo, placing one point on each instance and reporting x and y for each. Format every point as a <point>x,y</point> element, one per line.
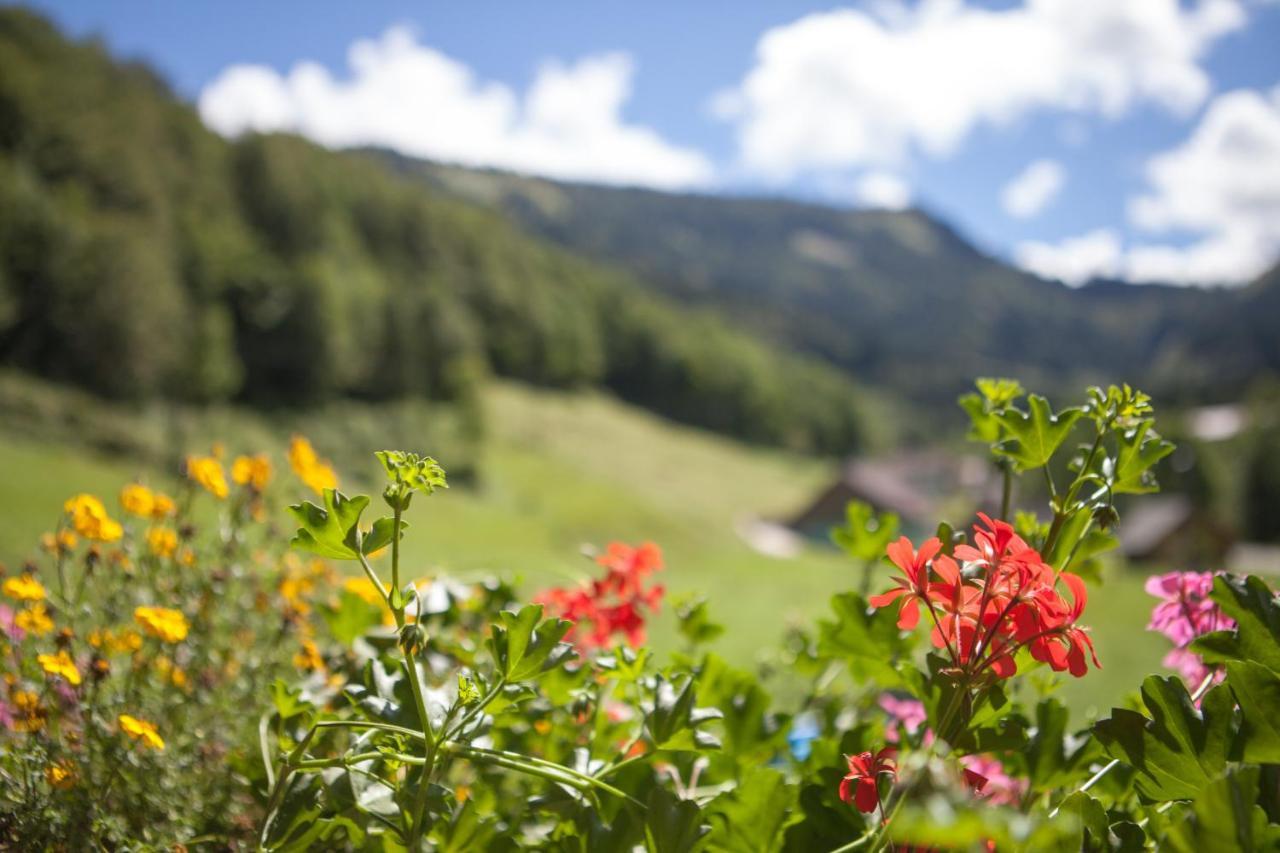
<point>1221,185</point>
<point>1076,259</point>
<point>407,96</point>
<point>883,190</point>
<point>1033,188</point>
<point>845,88</point>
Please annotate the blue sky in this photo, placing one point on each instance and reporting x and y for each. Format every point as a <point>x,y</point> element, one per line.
<point>1146,132</point>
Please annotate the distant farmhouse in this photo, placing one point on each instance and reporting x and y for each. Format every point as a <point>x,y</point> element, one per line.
<point>922,488</point>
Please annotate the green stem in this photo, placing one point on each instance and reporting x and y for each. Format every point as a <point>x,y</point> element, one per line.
<point>536,767</point>
<point>1006,491</point>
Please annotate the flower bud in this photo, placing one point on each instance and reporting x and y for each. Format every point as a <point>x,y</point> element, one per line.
<point>412,638</point>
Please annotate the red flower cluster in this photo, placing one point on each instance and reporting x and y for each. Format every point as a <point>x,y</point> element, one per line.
<point>861,785</point>
<point>614,604</point>
<point>998,598</point>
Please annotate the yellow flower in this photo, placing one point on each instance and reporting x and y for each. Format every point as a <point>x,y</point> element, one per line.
<point>61,775</point>
<point>187,557</point>
<point>63,543</point>
<point>60,664</point>
<point>162,541</point>
<point>364,588</point>
<point>309,658</point>
<point>138,499</point>
<point>162,506</point>
<point>67,541</point>
<point>207,471</point>
<point>252,471</point>
<point>315,473</point>
<point>162,622</point>
<point>24,588</point>
<point>126,641</point>
<point>34,620</point>
<point>29,716</point>
<point>141,730</point>
<point>170,671</point>
<point>89,518</point>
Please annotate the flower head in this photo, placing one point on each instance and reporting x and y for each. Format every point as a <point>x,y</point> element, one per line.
<point>138,500</point>
<point>617,603</point>
<point>207,471</point>
<point>986,776</point>
<point>252,471</point>
<point>317,474</point>
<point>1185,612</point>
<point>89,518</point>
<point>61,665</point>
<point>34,619</point>
<point>163,623</point>
<point>24,588</point>
<point>141,730</point>
<point>994,598</point>
<point>162,541</point>
<point>861,785</point>
<point>162,506</point>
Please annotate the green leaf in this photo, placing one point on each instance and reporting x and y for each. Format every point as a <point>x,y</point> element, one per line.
<point>673,825</point>
<point>1257,692</point>
<point>753,816</point>
<point>1257,614</point>
<point>673,719</point>
<point>288,700</point>
<point>1225,816</point>
<point>867,640</point>
<point>694,623</point>
<point>1139,448</point>
<point>523,648</point>
<point>380,535</point>
<point>351,618</point>
<point>1035,435</point>
<point>332,530</point>
<point>865,533</point>
<point>1053,758</point>
<point>1092,817</point>
<point>1179,749</point>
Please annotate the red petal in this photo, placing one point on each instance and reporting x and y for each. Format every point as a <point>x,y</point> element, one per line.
<point>884,599</point>
<point>866,798</point>
<point>909,615</point>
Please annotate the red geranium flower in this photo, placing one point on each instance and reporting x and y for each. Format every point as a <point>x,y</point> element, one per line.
<point>617,603</point>
<point>914,586</point>
<point>860,785</point>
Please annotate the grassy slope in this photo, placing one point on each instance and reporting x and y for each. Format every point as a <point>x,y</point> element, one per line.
<point>563,471</point>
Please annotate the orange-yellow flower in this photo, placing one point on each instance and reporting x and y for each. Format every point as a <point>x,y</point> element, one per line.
<point>142,731</point>
<point>315,473</point>
<point>138,500</point>
<point>207,471</point>
<point>34,620</point>
<point>309,658</point>
<point>28,715</point>
<point>252,471</point>
<point>24,588</point>
<point>162,541</point>
<point>364,588</point>
<point>60,664</point>
<point>162,506</point>
<point>163,623</point>
<point>61,775</point>
<point>89,518</point>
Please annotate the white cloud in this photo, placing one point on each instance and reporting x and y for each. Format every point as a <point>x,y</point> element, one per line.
<point>1033,188</point>
<point>1221,185</point>
<point>848,88</point>
<point>1076,259</point>
<point>883,190</point>
<point>410,97</point>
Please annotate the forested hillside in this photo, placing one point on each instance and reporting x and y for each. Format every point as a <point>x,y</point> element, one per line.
<point>897,299</point>
<point>142,255</point>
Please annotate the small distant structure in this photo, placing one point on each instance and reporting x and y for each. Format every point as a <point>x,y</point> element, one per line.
<point>1170,530</point>
<point>1217,423</point>
<point>921,487</point>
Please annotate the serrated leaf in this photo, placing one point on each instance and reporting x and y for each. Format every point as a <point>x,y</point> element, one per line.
<point>1252,604</point>
<point>329,531</point>
<point>672,825</point>
<point>523,648</point>
<point>865,533</point>
<point>1257,692</point>
<point>379,536</point>
<point>867,640</point>
<point>1225,816</point>
<point>1179,749</point>
<point>754,815</point>
<point>1035,435</point>
<point>1138,450</point>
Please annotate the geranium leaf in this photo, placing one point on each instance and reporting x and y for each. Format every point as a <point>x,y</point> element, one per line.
<point>1139,449</point>
<point>1257,614</point>
<point>1225,816</point>
<point>1257,692</point>
<point>1035,435</point>
<point>332,530</point>
<point>1178,749</point>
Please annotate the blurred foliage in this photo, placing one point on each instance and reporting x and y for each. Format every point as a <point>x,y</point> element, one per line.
<point>141,256</point>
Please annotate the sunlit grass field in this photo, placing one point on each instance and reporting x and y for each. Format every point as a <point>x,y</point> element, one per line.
<point>563,471</point>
